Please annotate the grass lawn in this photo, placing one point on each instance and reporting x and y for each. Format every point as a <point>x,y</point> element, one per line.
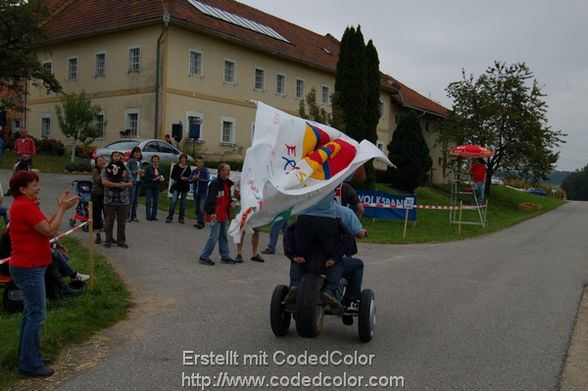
<point>433,225</point>
<point>69,321</point>
<point>45,163</point>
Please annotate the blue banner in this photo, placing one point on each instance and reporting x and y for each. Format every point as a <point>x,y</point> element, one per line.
<point>386,206</point>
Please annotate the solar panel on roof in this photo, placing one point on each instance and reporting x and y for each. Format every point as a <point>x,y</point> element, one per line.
<point>237,20</point>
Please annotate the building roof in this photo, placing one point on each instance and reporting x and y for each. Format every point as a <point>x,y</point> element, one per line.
<point>74,19</point>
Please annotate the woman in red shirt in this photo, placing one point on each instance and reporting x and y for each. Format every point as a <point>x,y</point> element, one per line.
<point>478,172</point>
<point>30,232</point>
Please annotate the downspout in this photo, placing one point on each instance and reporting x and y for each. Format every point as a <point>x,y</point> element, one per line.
<point>158,71</point>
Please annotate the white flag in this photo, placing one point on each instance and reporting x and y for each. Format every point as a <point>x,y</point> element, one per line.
<point>291,165</point>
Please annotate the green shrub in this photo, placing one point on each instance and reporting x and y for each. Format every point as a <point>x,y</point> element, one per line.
<point>50,146</point>
<point>85,152</point>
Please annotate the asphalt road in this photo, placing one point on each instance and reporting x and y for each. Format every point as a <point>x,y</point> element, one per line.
<point>491,313</point>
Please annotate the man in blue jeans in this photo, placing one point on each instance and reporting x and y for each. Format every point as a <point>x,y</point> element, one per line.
<point>218,207</point>
<point>277,226</point>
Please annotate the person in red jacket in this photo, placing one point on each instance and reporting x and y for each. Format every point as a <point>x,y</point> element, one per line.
<point>218,208</point>
<point>25,149</point>
<point>478,171</point>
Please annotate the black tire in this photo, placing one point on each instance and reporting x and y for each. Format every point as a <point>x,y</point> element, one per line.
<point>72,223</point>
<point>310,311</point>
<point>279,319</point>
<point>367,315</point>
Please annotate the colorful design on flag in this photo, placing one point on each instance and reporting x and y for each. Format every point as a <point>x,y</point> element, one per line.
<point>314,137</point>
<point>330,159</point>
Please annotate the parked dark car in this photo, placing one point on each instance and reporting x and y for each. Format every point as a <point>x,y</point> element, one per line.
<point>537,191</point>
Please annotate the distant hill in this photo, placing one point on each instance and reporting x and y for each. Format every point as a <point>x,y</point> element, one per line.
<point>557,177</point>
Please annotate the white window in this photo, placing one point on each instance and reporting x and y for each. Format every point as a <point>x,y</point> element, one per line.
<point>100,64</point>
<point>195,63</point>
<point>132,121</point>
<point>46,125</point>
<point>280,84</point>
<point>299,89</point>
<point>229,72</point>
<point>72,68</point>
<point>325,95</point>
<point>100,120</point>
<point>259,77</point>
<point>135,59</point>
<point>195,123</point>
<point>48,65</point>
<point>227,130</point>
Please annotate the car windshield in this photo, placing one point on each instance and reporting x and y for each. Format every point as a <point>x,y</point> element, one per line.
<point>123,145</point>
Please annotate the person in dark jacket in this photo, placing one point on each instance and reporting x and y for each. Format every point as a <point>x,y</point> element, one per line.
<point>151,182</point>
<point>97,197</point>
<point>218,208</point>
<point>318,261</point>
<point>180,177</point>
<point>135,174</point>
<point>200,177</point>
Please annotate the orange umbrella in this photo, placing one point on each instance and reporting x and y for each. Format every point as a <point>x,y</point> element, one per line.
<point>470,151</point>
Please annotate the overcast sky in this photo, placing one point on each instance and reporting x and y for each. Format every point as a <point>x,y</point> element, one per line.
<point>426,43</point>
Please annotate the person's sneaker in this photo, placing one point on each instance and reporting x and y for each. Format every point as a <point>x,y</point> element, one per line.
<point>257,258</point>
<point>154,219</point>
<point>123,245</point>
<point>68,291</point>
<point>228,261</point>
<point>200,225</point>
<point>81,277</point>
<point>45,372</point>
<point>107,244</point>
<point>291,296</point>
<point>129,220</point>
<point>181,221</point>
<point>239,258</point>
<point>98,239</point>
<point>168,220</point>
<point>353,306</point>
<point>268,251</point>
<point>205,261</point>
<point>197,226</point>
<point>331,300</point>
<point>136,220</point>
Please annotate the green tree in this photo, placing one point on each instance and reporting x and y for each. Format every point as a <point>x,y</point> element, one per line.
<point>372,107</point>
<point>409,152</point>
<point>576,185</point>
<point>21,34</point>
<point>504,110</point>
<point>315,113</point>
<point>77,119</point>
<point>350,97</point>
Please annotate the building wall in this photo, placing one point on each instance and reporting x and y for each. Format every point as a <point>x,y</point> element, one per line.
<point>117,92</point>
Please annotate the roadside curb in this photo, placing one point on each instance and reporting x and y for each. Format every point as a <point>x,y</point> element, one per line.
<point>575,371</point>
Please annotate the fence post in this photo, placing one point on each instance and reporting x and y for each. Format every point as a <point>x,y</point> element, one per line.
<point>91,245</point>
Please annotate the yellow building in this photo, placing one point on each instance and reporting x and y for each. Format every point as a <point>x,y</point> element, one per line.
<point>198,63</point>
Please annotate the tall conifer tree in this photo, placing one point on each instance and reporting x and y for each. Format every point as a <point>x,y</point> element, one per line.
<point>408,150</point>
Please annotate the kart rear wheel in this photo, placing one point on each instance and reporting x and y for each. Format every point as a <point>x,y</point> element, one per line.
<point>310,311</point>
<point>279,319</point>
<point>367,315</point>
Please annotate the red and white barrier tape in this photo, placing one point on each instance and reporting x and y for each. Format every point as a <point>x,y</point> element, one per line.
<point>438,207</point>
<point>61,235</point>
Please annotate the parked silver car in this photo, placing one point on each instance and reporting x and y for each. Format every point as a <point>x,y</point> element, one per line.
<point>149,146</point>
